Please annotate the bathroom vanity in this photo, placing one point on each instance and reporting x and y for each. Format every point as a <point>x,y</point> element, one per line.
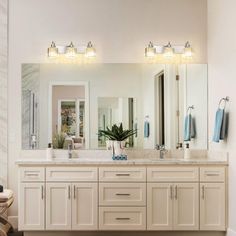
<point>139,194</point>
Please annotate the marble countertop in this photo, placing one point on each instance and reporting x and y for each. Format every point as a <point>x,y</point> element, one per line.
<point>107,161</point>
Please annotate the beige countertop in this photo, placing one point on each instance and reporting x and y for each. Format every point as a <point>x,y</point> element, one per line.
<point>107,161</point>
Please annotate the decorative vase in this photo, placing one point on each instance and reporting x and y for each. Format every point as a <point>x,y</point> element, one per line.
<point>119,147</point>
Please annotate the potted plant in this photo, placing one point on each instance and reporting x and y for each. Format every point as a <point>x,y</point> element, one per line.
<point>117,137</point>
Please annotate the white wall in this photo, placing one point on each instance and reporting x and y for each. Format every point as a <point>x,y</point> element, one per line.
<point>119,29</point>
<point>222,82</point>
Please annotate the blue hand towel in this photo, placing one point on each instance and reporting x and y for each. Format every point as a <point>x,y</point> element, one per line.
<point>189,128</point>
<point>146,129</point>
<point>220,126</point>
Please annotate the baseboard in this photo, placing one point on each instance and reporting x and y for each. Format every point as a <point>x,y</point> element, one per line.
<point>14,221</point>
<point>231,232</point>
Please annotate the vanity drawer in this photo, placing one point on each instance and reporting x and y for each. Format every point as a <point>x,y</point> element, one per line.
<point>32,174</point>
<point>173,174</point>
<point>122,194</point>
<point>212,174</point>
<point>122,218</point>
<point>122,174</point>
<point>78,174</point>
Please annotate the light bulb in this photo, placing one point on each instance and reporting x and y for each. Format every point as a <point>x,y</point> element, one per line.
<point>90,50</point>
<point>71,51</point>
<point>52,51</point>
<point>168,51</point>
<point>188,53</point>
<point>150,50</point>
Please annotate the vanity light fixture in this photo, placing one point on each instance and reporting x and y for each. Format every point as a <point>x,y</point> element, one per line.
<point>169,51</point>
<point>150,50</point>
<point>70,51</point>
<point>187,51</point>
<point>52,50</point>
<point>90,50</point>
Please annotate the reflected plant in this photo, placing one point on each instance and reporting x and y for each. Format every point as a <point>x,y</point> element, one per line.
<point>59,140</point>
<point>117,133</point>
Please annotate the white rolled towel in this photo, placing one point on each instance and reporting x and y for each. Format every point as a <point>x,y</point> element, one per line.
<point>5,195</point>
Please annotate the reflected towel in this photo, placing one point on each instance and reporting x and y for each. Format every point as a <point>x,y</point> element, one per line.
<point>189,128</point>
<point>146,129</point>
<point>221,124</point>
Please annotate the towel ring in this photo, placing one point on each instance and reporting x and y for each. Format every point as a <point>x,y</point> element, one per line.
<point>223,100</point>
<point>189,109</point>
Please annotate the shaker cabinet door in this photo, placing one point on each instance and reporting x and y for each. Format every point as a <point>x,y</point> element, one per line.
<point>31,206</point>
<point>58,206</point>
<point>85,206</point>
<point>212,206</point>
<point>159,206</point>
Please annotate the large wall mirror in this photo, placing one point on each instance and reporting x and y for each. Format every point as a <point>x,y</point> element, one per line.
<point>70,103</point>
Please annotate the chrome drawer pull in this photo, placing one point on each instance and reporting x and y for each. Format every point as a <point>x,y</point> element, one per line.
<point>68,191</point>
<point>122,218</point>
<point>42,195</point>
<point>171,192</point>
<point>74,192</point>
<point>212,174</point>
<point>122,194</point>
<point>176,192</point>
<point>122,174</point>
<point>203,192</point>
<point>32,174</point>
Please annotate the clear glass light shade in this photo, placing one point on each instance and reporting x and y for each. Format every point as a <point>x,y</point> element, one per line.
<point>168,51</point>
<point>71,51</point>
<point>188,53</point>
<point>90,50</point>
<point>150,50</point>
<point>53,51</point>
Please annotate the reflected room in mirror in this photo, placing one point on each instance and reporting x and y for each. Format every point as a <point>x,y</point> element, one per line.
<point>69,104</point>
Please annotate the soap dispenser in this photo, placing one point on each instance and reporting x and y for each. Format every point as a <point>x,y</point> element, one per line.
<point>49,153</point>
<point>187,152</point>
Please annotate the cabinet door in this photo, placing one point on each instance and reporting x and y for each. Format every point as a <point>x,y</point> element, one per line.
<point>212,206</point>
<point>159,206</point>
<point>85,206</point>
<point>31,206</point>
<point>186,206</point>
<point>58,206</point>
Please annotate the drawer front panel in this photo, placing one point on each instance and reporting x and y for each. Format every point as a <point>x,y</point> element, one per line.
<point>212,174</point>
<point>122,174</point>
<point>32,174</point>
<point>78,174</point>
<point>122,218</point>
<point>122,194</point>
<point>173,174</point>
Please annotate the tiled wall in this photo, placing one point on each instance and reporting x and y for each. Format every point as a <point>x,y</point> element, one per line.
<point>3,89</point>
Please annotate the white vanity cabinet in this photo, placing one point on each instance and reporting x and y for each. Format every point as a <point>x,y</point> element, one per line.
<point>172,205</point>
<point>32,198</point>
<point>213,198</point>
<point>114,197</point>
<point>31,206</point>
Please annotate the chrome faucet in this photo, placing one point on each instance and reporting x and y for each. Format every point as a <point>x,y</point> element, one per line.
<point>162,150</point>
<point>69,151</point>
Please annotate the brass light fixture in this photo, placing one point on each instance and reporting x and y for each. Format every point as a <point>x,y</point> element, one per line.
<point>70,51</point>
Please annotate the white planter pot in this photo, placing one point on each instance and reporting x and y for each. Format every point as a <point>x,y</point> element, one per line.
<point>109,144</point>
<point>119,147</point>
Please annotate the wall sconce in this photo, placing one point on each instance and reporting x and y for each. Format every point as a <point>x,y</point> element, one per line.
<point>70,51</point>
<point>169,51</point>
